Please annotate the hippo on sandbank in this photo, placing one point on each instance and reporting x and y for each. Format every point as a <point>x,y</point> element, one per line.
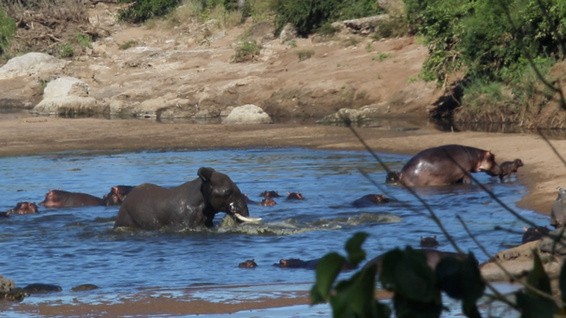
<point>508,168</point>
<point>445,165</point>
<point>189,205</point>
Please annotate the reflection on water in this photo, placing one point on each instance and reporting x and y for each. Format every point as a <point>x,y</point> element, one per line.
<point>76,246</point>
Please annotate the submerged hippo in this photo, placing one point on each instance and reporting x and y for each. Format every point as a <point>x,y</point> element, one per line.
<point>310,264</point>
<point>23,208</point>
<point>508,168</point>
<point>65,199</point>
<point>370,200</point>
<point>444,165</point>
<point>190,205</point>
<point>117,195</point>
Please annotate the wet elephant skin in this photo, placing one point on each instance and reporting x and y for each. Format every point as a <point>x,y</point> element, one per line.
<point>192,204</point>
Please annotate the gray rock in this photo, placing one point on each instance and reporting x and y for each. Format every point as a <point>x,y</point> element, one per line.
<point>356,116</point>
<point>68,96</point>
<point>554,242</point>
<point>558,212</point>
<point>247,114</point>
<point>6,284</point>
<point>31,64</point>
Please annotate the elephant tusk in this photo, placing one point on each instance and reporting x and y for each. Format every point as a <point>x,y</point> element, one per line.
<point>245,219</point>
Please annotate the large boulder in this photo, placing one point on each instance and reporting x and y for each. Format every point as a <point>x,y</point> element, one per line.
<point>22,79</point>
<point>247,114</point>
<point>68,96</point>
<point>31,64</point>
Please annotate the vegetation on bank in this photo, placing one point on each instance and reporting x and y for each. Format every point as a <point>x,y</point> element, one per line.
<point>495,56</point>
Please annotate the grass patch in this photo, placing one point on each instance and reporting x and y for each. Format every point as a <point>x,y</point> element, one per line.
<point>246,51</point>
<point>305,54</point>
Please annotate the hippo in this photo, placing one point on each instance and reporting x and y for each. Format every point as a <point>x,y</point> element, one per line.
<point>310,264</point>
<point>508,168</point>
<point>190,205</point>
<point>370,200</point>
<point>429,241</point>
<point>65,199</point>
<point>250,263</point>
<point>295,196</point>
<point>117,194</point>
<point>266,201</point>
<point>558,212</point>
<point>24,208</point>
<point>445,165</point>
<point>269,194</point>
<point>534,233</point>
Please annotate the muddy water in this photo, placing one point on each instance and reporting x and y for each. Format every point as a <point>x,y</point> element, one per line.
<point>77,246</point>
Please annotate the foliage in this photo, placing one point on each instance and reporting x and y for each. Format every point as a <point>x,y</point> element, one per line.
<point>7,31</point>
<point>484,37</point>
<point>417,289</point>
<point>246,51</point>
<point>309,15</point>
<point>142,10</point>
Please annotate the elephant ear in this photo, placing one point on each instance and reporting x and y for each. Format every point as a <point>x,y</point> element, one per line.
<point>205,173</point>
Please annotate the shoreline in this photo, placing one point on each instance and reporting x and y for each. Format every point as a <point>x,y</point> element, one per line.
<point>24,134</point>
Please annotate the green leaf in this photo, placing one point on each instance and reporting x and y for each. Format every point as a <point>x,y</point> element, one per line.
<point>531,303</point>
<point>460,278</point>
<point>562,283</point>
<point>326,272</point>
<point>354,248</point>
<point>407,273</point>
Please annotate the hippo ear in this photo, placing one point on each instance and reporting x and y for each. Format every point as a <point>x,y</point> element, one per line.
<point>205,173</point>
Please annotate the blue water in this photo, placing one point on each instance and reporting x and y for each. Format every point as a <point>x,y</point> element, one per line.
<point>76,246</point>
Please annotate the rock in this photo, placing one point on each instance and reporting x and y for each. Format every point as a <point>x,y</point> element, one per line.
<point>363,26</point>
<point>247,114</point>
<point>288,33</point>
<point>554,242</point>
<point>84,287</point>
<point>6,285</point>
<point>68,96</point>
<point>517,262</point>
<point>558,212</point>
<point>365,114</point>
<point>31,64</point>
<point>39,288</point>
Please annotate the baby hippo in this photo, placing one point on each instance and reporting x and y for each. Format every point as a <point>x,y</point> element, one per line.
<point>508,168</point>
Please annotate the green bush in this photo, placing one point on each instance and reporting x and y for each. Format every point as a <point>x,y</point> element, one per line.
<point>486,37</point>
<point>309,15</point>
<point>7,31</point>
<point>142,10</point>
<point>246,51</point>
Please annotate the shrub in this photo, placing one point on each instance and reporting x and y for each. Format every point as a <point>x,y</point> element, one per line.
<point>309,15</point>
<point>142,10</point>
<point>7,30</point>
<point>246,51</point>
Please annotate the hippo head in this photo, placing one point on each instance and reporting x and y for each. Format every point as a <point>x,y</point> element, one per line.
<point>487,164</point>
<point>222,194</point>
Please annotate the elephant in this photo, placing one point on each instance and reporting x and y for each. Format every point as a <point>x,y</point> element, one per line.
<point>190,205</point>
